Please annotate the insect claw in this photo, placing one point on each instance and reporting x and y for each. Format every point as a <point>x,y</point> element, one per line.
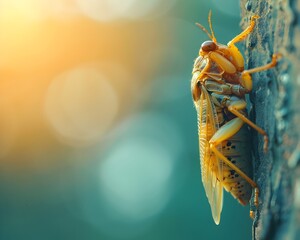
<point>254,17</point>
<point>256,195</point>
<point>276,57</point>
<point>252,214</point>
<point>266,141</point>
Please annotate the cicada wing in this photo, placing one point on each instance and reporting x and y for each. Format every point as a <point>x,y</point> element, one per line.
<point>211,166</point>
<point>214,193</point>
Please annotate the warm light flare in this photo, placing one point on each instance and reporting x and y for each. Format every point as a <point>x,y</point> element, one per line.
<point>67,79</point>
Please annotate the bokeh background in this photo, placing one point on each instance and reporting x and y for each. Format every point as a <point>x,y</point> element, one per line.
<point>98,134</point>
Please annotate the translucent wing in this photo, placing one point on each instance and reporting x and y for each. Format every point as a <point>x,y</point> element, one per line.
<point>211,166</point>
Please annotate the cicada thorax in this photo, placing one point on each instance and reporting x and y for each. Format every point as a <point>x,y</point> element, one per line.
<point>227,61</point>
<point>210,69</point>
<point>233,55</point>
<point>205,70</point>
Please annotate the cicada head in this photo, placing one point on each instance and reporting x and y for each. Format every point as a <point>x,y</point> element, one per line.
<point>207,47</point>
<point>210,45</point>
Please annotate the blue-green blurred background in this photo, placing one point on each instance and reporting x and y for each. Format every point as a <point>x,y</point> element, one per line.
<point>98,131</point>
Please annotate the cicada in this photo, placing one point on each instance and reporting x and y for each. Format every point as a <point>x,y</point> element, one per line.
<point>219,85</point>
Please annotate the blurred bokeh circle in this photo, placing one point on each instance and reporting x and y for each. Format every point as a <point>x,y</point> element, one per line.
<point>81,105</point>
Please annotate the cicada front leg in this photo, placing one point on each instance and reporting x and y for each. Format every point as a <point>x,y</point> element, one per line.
<point>236,55</point>
<point>245,33</point>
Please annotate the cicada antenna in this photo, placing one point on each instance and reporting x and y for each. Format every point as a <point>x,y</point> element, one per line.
<point>204,30</point>
<point>213,38</point>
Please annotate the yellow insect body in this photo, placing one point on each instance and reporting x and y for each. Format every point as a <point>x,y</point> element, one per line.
<point>219,85</point>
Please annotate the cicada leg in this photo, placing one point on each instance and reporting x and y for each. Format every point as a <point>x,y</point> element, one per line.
<point>234,106</point>
<point>271,64</point>
<point>224,133</point>
<point>246,79</point>
<point>237,57</point>
<point>245,33</point>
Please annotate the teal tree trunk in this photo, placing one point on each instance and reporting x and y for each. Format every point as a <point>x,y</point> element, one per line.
<point>275,103</point>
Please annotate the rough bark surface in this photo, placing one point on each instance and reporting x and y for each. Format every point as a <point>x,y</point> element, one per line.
<point>275,107</point>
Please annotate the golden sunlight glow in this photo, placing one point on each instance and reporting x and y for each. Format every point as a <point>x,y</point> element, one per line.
<point>67,79</point>
<point>38,9</point>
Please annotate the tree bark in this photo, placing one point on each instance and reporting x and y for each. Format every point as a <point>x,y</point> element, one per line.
<point>275,107</point>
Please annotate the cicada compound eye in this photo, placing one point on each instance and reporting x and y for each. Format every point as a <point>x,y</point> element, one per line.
<point>208,46</point>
